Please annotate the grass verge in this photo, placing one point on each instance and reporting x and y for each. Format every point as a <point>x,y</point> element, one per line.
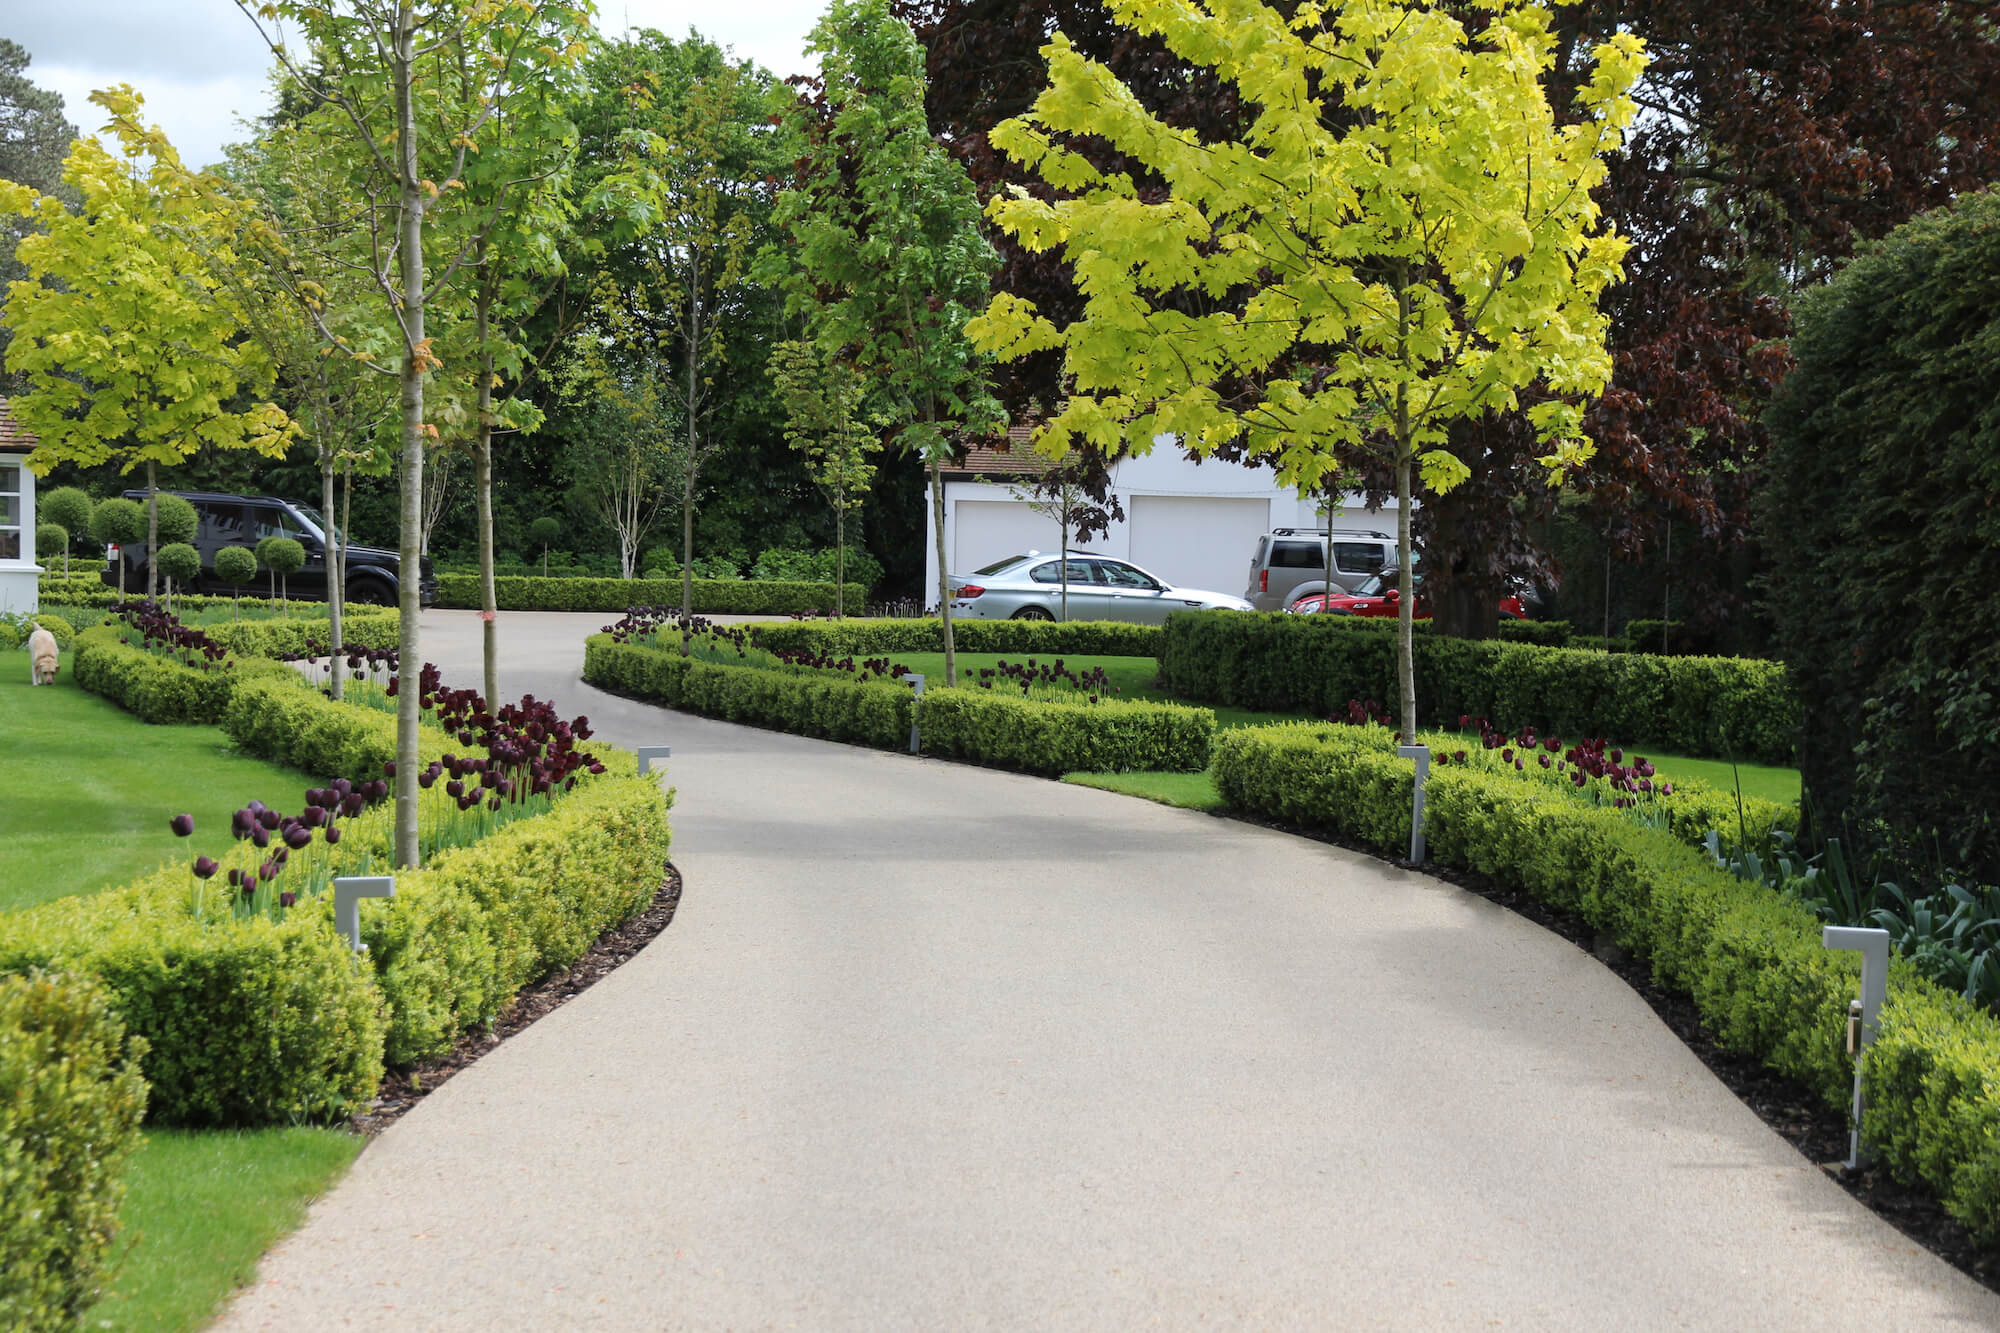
<point>1190,791</point>
<point>200,1211</point>
<point>87,789</point>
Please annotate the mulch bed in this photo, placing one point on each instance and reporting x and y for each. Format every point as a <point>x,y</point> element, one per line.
<point>404,1088</point>
<point>1818,1131</point>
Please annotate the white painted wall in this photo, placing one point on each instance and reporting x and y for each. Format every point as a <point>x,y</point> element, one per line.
<point>20,576</point>
<point>1195,525</point>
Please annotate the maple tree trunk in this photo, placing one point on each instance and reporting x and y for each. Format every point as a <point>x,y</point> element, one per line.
<point>489,603</point>
<point>410,242</point>
<point>335,577</point>
<point>944,576</point>
<point>152,530</point>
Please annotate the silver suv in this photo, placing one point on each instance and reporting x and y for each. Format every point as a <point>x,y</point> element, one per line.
<point>1291,563</point>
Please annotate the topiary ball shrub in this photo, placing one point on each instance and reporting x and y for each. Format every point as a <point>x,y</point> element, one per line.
<point>119,522</point>
<point>51,540</point>
<point>180,563</point>
<point>236,564</point>
<point>178,520</point>
<point>68,506</point>
<point>283,556</point>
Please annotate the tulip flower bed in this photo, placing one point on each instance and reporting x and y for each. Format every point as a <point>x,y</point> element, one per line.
<point>1751,959</point>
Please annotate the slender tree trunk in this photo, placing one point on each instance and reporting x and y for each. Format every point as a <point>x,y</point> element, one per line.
<point>410,242</point>
<point>152,530</point>
<point>489,604</point>
<point>335,576</point>
<point>1667,592</point>
<point>687,551</point>
<point>944,573</point>
<point>1064,543</point>
<point>1406,668</point>
<point>839,562</point>
<point>687,484</point>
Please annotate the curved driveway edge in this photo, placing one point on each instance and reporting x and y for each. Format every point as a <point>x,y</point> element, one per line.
<point>931,1046</point>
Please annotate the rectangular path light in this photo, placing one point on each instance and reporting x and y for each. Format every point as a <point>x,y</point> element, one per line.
<point>348,891</point>
<point>1422,754</point>
<point>1861,1014</point>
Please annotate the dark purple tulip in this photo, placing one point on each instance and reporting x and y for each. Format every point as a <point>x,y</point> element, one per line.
<point>298,837</point>
<point>342,786</point>
<point>1459,755</point>
<point>269,818</point>
<point>493,804</point>
<point>425,779</point>
<point>389,768</point>
<point>391,688</point>
<point>182,825</point>
<point>465,736</point>
<point>488,778</point>
<point>1666,789</point>
<point>454,789</point>
<point>235,877</point>
<point>1577,777</point>
<point>240,823</point>
<point>249,886</point>
<point>205,867</point>
<point>279,856</point>
<point>312,817</point>
<point>332,835</point>
<point>260,836</point>
<point>268,871</point>
<point>287,898</point>
<point>1544,759</point>
<point>596,767</point>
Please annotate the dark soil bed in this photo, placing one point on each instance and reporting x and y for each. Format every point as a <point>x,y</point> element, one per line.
<point>1816,1130</point>
<point>404,1088</point>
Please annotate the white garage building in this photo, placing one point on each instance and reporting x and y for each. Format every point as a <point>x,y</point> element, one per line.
<point>1193,525</point>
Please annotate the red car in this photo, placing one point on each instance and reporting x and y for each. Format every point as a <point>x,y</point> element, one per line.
<point>1379,597</point>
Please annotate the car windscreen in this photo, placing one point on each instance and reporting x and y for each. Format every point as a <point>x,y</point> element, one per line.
<point>1001,566</point>
<point>327,531</point>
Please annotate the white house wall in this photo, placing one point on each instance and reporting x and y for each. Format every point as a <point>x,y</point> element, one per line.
<point>1195,525</point>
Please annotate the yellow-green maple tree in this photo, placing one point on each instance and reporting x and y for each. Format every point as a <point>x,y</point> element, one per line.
<point>1402,237</point>
<point>131,345</point>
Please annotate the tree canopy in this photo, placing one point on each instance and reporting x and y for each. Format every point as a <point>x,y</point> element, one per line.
<point>1401,239</point>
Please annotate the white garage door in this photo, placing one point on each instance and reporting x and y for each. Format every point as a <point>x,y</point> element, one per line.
<point>987,530</point>
<point>1197,542</point>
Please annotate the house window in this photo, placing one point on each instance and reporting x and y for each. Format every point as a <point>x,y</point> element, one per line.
<point>13,508</point>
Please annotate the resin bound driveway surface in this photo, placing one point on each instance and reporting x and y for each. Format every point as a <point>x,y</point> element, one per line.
<point>936,1047</point>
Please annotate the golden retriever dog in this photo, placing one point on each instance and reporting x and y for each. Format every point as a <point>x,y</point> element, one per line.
<point>42,658</point>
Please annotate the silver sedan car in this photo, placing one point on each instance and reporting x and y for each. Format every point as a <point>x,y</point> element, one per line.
<point>1030,587</point>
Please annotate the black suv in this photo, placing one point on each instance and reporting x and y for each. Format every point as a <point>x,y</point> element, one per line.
<point>373,574</point>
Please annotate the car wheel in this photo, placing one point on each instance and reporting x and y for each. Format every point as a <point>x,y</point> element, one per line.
<point>371,592</point>
<point>1032,613</point>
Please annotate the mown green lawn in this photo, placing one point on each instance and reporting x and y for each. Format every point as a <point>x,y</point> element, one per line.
<point>87,789</point>
<point>200,1209</point>
<point>85,795</point>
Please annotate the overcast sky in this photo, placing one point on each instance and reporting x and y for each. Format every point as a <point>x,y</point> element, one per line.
<point>200,65</point>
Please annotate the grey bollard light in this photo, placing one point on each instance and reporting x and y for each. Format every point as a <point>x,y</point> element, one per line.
<point>1873,946</point>
<point>1422,754</point>
<point>917,692</point>
<point>348,891</point>
<point>648,753</point>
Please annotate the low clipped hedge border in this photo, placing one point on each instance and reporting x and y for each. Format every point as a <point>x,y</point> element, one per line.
<point>1096,638</point>
<point>1750,958</point>
<point>1715,707</point>
<point>162,691</point>
<point>1111,736</point>
<point>747,597</point>
<point>1029,735</point>
<point>71,1099</point>
<point>252,1022</point>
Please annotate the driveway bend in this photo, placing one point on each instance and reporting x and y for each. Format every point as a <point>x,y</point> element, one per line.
<point>936,1047</point>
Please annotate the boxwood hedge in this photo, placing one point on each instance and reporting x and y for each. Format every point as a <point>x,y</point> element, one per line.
<point>1750,958</point>
<point>1719,707</point>
<point>749,597</point>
